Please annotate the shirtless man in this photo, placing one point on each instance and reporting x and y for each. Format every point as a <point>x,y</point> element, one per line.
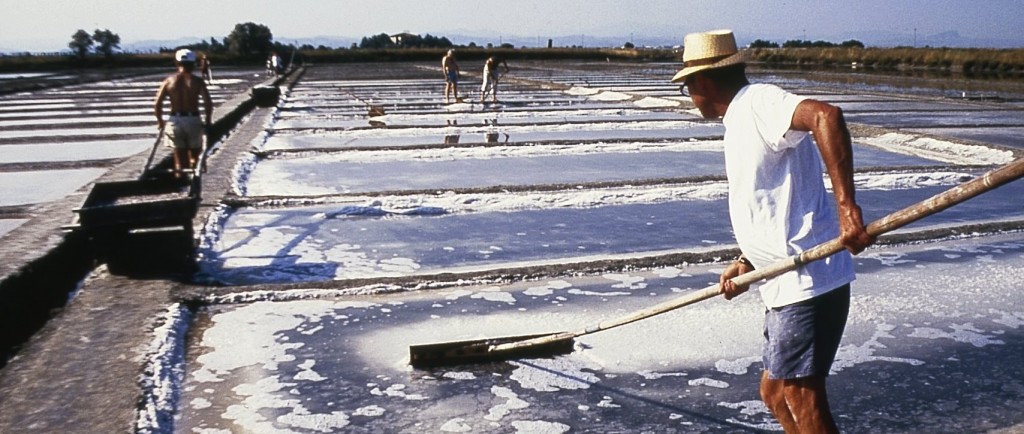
<point>451,76</point>
<point>185,127</point>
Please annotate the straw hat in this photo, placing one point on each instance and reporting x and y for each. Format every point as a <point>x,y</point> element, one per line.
<point>708,50</point>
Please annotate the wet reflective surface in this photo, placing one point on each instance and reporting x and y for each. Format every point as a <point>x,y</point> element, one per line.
<point>614,165</point>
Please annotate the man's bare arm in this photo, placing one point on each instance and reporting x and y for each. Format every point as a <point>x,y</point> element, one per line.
<point>828,125</point>
<point>158,104</point>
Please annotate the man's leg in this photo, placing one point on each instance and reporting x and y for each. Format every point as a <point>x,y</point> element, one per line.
<point>800,405</point>
<point>193,158</point>
<point>181,158</point>
<point>773,395</point>
<point>807,400</point>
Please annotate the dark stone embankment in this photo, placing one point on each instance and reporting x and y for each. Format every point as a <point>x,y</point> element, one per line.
<point>74,366</point>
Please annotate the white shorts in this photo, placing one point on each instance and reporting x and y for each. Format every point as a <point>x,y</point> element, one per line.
<point>186,132</point>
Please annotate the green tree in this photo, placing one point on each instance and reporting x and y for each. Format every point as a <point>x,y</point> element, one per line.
<point>759,43</point>
<point>250,40</point>
<point>80,43</point>
<point>376,41</point>
<point>107,42</point>
<point>214,46</point>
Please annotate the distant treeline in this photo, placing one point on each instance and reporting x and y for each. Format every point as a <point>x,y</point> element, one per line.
<point>481,53</point>
<point>30,62</point>
<point>965,60</point>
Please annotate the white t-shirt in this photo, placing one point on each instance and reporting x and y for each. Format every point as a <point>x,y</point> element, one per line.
<point>777,198</point>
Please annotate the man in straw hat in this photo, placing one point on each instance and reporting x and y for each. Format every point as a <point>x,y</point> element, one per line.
<point>186,127</point>
<point>779,207</point>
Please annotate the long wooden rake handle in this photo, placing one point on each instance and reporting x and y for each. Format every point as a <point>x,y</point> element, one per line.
<point>895,220</point>
<point>156,144</point>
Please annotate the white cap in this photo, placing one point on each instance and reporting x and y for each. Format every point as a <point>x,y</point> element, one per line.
<point>185,55</point>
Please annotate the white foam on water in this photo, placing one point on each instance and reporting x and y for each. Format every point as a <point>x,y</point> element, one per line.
<point>491,152</point>
<point>306,372</point>
<point>258,346</point>
<point>1009,319</point>
<point>610,96</point>
<point>753,409</point>
<point>739,366</point>
<point>654,102</point>
<point>939,150</point>
<point>511,404</point>
<point>907,181</point>
<point>200,403</point>
<point>459,376</point>
<point>579,90</point>
<point>456,425</point>
<point>539,427</point>
<point>651,375</point>
<point>851,355</point>
<point>709,382</point>
<point>888,259</point>
<point>552,375</point>
<point>962,333</point>
<point>548,289</point>
<point>626,281</point>
<point>326,423</point>
<point>575,291</point>
<point>495,294</point>
<point>608,402</point>
<point>369,411</point>
<point>397,391</point>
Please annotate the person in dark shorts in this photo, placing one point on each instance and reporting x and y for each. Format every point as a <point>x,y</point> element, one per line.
<point>450,69</point>
<point>779,207</point>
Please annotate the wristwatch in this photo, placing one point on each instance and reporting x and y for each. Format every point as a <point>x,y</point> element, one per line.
<point>743,260</point>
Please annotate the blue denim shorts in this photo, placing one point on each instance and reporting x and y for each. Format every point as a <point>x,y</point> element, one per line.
<point>801,339</point>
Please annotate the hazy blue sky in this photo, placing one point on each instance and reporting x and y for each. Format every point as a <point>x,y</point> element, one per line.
<point>48,24</point>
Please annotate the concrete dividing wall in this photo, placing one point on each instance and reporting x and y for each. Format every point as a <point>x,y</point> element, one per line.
<point>42,262</point>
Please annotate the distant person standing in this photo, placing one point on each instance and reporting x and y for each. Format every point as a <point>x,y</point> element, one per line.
<point>276,64</point>
<point>450,68</point>
<point>184,126</point>
<point>491,76</point>
<point>204,69</point>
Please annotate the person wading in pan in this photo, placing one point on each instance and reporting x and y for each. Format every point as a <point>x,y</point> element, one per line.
<point>779,207</point>
<point>185,127</point>
<point>491,75</point>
